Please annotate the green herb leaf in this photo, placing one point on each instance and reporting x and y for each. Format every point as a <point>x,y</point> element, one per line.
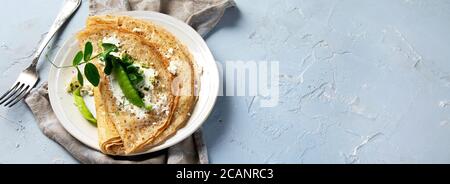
<point>141,94</point>
<point>135,79</point>
<point>92,74</point>
<point>108,67</point>
<point>107,47</point>
<point>132,69</point>
<point>132,77</point>
<point>126,59</point>
<point>139,78</point>
<point>79,76</point>
<point>87,51</point>
<point>77,59</point>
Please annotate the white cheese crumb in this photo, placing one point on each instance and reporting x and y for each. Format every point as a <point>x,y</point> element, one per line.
<point>115,54</point>
<point>87,89</point>
<point>137,30</point>
<point>173,66</point>
<point>148,100</point>
<point>150,72</point>
<point>161,105</point>
<point>112,40</point>
<point>149,77</point>
<point>169,53</point>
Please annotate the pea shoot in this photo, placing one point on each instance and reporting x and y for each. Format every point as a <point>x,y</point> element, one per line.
<point>127,75</point>
<point>84,58</point>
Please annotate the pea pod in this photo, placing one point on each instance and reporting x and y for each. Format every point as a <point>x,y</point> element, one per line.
<point>79,102</point>
<point>127,87</point>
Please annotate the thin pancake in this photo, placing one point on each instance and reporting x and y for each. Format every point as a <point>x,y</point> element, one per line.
<point>185,80</point>
<point>135,132</point>
<point>109,139</point>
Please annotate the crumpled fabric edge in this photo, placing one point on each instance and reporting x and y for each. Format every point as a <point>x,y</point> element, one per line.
<point>217,10</point>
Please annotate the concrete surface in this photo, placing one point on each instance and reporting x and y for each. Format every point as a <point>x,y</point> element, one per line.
<point>361,81</point>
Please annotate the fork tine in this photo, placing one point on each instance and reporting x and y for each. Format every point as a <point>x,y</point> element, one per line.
<point>7,92</point>
<point>17,95</point>
<point>20,96</point>
<point>13,93</point>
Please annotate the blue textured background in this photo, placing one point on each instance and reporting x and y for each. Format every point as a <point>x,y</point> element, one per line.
<point>361,81</point>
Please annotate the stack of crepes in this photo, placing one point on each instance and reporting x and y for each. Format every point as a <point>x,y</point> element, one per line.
<point>121,132</point>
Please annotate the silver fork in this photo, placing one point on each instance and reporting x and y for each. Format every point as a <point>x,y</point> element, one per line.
<point>29,77</point>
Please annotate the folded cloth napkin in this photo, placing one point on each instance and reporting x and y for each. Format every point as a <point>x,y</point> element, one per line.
<point>202,15</point>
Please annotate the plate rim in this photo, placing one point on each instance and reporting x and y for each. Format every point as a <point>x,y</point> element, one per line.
<point>146,15</point>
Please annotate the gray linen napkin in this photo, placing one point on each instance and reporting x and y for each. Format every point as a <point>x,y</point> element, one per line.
<point>202,15</point>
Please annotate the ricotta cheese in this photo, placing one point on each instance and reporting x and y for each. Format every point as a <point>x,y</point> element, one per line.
<point>122,102</point>
<point>172,68</point>
<point>136,30</point>
<point>146,87</point>
<point>169,53</point>
<point>112,40</point>
<point>115,54</point>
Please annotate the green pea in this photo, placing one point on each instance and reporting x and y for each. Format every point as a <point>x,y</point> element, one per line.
<point>127,87</point>
<point>79,102</point>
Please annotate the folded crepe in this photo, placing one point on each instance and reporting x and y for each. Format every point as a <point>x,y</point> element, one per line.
<point>121,131</point>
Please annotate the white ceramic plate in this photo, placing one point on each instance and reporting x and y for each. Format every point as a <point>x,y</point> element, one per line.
<point>75,124</point>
